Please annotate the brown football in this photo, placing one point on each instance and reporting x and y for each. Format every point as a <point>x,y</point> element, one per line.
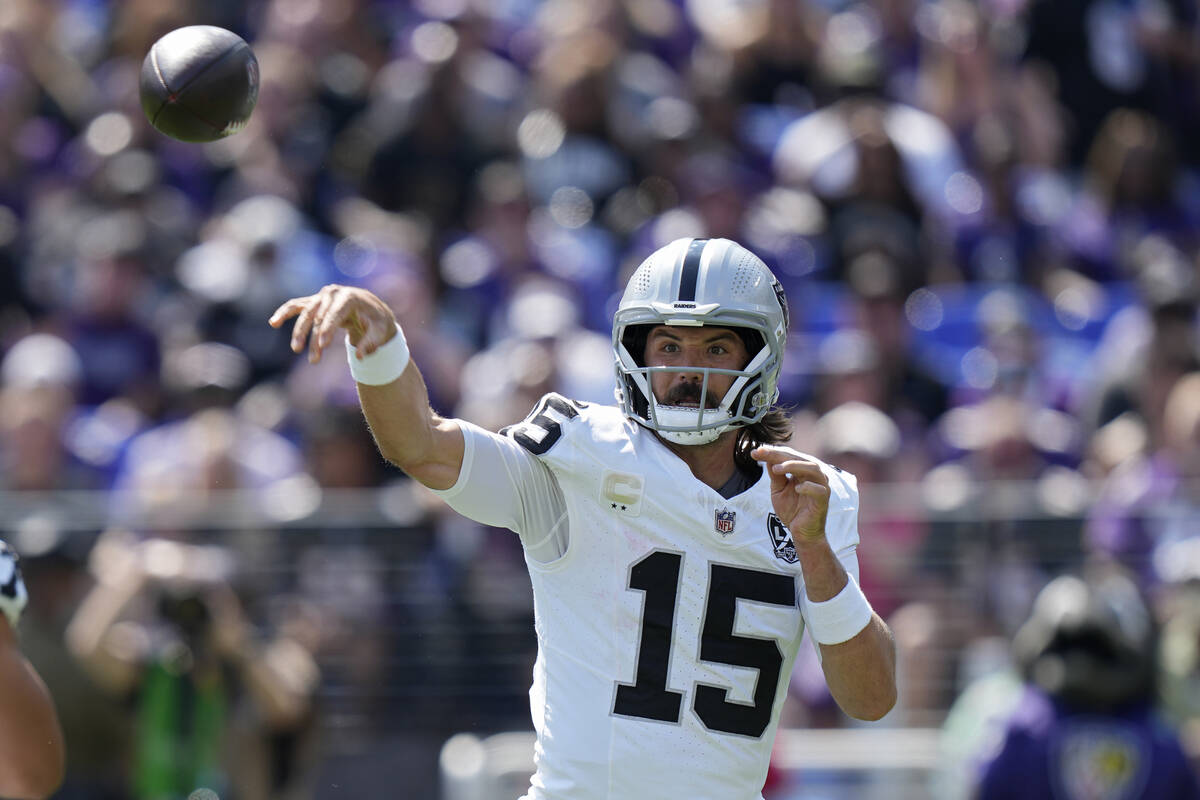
<point>199,83</point>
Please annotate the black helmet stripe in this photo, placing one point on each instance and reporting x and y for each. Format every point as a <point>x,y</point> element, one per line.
<point>691,271</point>
<point>781,296</point>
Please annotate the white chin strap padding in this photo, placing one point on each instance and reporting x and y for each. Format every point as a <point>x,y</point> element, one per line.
<point>681,417</point>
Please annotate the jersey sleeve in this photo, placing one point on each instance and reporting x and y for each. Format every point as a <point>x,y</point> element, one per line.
<point>842,529</point>
<point>503,484</point>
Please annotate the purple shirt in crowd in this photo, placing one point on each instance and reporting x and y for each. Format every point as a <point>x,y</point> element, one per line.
<point>1052,753</point>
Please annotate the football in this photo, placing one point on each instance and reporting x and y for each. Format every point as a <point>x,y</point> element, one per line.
<point>199,83</point>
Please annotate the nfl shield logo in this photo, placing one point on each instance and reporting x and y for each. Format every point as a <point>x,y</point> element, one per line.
<point>724,520</point>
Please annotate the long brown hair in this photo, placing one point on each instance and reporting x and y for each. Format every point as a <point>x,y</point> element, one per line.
<point>774,428</point>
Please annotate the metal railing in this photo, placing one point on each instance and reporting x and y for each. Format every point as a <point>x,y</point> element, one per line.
<point>903,760</point>
<point>445,667</point>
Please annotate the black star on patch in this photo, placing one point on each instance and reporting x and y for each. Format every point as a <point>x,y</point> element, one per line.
<point>614,505</point>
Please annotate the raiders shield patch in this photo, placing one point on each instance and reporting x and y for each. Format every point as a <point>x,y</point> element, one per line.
<point>781,540</point>
<point>724,520</point>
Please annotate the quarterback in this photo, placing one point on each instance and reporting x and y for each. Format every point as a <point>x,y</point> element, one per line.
<point>677,551</point>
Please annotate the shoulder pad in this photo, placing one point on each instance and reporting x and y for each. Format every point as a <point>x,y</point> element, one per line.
<point>844,485</point>
<point>542,429</point>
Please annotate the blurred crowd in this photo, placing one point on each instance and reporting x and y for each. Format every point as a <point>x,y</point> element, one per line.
<point>986,215</point>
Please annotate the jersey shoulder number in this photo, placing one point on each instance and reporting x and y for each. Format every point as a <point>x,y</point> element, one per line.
<point>542,429</point>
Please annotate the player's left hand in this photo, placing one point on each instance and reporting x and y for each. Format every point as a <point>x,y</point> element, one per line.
<point>799,490</point>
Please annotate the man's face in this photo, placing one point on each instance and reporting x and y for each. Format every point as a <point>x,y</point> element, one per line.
<point>678,346</point>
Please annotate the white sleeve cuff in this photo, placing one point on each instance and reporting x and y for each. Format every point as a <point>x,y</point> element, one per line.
<point>384,365</point>
<point>840,618</point>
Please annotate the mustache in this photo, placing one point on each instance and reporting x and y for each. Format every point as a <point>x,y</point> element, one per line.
<point>682,393</point>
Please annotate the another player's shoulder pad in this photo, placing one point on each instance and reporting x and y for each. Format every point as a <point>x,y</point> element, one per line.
<point>542,429</point>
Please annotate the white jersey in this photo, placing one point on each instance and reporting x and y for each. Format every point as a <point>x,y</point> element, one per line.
<point>667,627</point>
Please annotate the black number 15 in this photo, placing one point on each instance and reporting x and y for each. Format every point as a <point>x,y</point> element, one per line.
<point>657,575</point>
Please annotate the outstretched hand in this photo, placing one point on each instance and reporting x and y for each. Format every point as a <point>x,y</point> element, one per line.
<point>368,321</point>
<point>799,490</point>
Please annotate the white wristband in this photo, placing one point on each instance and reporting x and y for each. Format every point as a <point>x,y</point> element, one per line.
<point>384,365</point>
<point>840,618</point>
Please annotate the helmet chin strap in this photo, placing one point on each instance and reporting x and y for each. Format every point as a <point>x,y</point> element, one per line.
<point>680,416</point>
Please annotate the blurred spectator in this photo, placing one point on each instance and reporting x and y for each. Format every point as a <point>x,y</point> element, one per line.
<point>107,294</point>
<point>1101,56</point>
<point>876,165</point>
<point>38,382</point>
<point>1086,724</point>
<point>1149,346</point>
<point>864,441</point>
<point>163,627</point>
<point>169,472</point>
<point>1131,190</point>
<point>980,570</point>
<point>434,152</point>
<point>261,247</point>
<point>1151,502</point>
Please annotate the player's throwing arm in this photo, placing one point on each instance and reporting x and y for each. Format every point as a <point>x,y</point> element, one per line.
<point>390,388</point>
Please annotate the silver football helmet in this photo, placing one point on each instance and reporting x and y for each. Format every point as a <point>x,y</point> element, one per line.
<point>696,282</point>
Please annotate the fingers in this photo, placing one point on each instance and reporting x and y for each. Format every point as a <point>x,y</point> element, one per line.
<point>371,330</point>
<point>375,337</point>
<point>318,316</point>
<point>817,492</point>
<point>789,467</point>
<point>320,313</point>
<point>800,471</point>
<point>288,310</point>
<point>304,323</point>
<point>328,321</point>
<point>774,454</point>
<point>366,344</point>
<point>312,312</point>
<point>804,478</point>
<point>811,510</point>
<point>771,457</point>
